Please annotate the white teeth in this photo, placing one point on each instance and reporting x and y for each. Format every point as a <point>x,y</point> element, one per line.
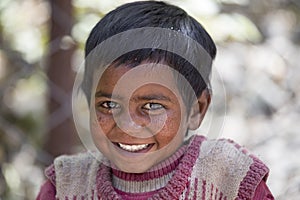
<point>133,148</point>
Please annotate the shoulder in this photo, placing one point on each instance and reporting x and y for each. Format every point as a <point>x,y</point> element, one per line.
<point>230,166</point>
<point>67,164</point>
<point>231,154</point>
<point>82,162</point>
<point>74,174</point>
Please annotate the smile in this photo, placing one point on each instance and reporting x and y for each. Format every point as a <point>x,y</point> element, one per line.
<point>134,148</point>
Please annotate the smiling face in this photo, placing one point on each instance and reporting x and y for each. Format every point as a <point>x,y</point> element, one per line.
<point>140,117</point>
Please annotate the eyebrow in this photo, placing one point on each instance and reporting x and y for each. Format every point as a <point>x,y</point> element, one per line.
<point>144,98</point>
<point>107,95</point>
<point>153,97</point>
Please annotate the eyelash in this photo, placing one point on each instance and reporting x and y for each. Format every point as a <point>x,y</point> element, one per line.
<point>111,105</point>
<point>154,109</point>
<point>106,105</point>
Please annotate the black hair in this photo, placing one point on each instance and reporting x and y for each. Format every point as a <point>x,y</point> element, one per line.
<point>151,14</point>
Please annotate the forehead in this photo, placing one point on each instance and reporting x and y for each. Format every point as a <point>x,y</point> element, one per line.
<point>124,79</point>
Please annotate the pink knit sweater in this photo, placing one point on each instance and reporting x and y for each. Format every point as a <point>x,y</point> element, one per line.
<point>200,169</point>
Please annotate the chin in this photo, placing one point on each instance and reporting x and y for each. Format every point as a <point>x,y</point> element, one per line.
<point>133,169</point>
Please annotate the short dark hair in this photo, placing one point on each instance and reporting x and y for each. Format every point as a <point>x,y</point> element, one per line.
<point>150,14</point>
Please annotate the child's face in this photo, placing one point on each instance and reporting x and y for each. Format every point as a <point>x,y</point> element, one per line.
<point>141,116</point>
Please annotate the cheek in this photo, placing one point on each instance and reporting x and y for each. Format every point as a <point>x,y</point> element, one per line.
<point>170,129</point>
<point>105,122</point>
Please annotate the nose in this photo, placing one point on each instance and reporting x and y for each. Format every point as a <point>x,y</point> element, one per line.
<point>133,123</point>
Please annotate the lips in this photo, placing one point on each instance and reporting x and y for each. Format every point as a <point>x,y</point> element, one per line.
<point>134,148</point>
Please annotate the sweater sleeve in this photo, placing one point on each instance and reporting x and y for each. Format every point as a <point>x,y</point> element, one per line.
<point>262,192</point>
<point>47,191</point>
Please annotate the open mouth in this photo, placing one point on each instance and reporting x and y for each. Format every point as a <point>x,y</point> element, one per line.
<point>135,148</point>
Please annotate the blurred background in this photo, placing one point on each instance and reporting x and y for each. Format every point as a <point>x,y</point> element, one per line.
<point>41,47</point>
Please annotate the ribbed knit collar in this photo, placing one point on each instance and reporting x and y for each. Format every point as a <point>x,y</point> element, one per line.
<point>152,180</point>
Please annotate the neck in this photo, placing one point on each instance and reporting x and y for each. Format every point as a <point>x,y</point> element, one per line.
<point>150,181</point>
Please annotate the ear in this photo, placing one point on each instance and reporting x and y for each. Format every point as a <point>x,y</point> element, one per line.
<point>198,110</point>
